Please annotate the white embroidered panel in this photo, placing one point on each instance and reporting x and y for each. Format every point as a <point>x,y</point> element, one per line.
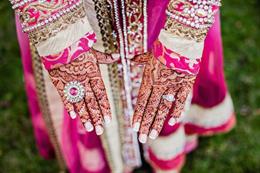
<point>211,117</point>
<point>64,38</point>
<point>187,48</point>
<point>168,147</point>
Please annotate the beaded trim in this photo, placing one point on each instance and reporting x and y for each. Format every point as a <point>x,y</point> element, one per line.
<point>46,32</point>
<point>104,15</point>
<point>54,17</point>
<point>183,31</point>
<point>136,26</point>
<point>21,3</point>
<point>126,82</point>
<point>197,14</point>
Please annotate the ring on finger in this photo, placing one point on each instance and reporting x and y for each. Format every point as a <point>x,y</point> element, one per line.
<point>74,91</point>
<point>169,97</point>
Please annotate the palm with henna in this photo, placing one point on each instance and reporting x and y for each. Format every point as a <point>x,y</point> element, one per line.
<point>162,89</point>
<point>82,90</point>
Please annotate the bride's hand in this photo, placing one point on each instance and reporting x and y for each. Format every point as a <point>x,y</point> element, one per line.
<point>82,90</point>
<point>162,89</point>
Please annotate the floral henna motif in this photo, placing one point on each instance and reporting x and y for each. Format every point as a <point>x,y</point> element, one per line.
<point>162,88</point>
<point>94,107</point>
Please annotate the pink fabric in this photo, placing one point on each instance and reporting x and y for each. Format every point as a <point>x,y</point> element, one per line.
<point>71,53</point>
<point>210,86</point>
<point>156,19</point>
<point>40,132</point>
<point>175,163</point>
<point>82,151</point>
<point>191,145</point>
<point>174,60</point>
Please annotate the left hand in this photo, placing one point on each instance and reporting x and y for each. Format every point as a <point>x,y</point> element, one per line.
<point>162,89</point>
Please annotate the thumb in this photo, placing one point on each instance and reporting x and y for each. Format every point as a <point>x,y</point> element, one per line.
<point>104,58</point>
<point>142,58</point>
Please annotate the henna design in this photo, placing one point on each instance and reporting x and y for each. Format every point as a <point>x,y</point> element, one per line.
<point>143,97</point>
<point>85,69</point>
<point>163,110</point>
<point>100,94</point>
<point>181,97</point>
<point>141,59</point>
<point>82,111</point>
<point>151,108</point>
<point>92,105</point>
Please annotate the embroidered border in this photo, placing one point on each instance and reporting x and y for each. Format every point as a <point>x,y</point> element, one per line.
<point>44,105</point>
<point>136,25</point>
<point>44,33</point>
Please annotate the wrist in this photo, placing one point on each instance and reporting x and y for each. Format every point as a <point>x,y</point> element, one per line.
<point>182,58</point>
<point>70,53</point>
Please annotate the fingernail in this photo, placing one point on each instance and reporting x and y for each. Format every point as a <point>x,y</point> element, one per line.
<point>73,114</point>
<point>143,138</point>
<point>107,119</point>
<point>115,56</point>
<point>153,134</point>
<point>99,130</point>
<point>173,121</point>
<point>89,127</point>
<point>136,127</point>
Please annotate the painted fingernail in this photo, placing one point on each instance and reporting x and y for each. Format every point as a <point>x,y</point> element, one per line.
<point>73,114</point>
<point>99,130</point>
<point>143,138</point>
<point>173,121</point>
<point>153,134</point>
<point>136,126</point>
<point>89,127</point>
<point>107,119</point>
<point>115,56</point>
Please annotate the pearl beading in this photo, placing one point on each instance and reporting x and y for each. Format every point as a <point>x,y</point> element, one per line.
<point>18,4</point>
<point>126,71</point>
<point>209,2</point>
<point>53,18</point>
<point>21,3</point>
<point>145,25</point>
<point>201,14</point>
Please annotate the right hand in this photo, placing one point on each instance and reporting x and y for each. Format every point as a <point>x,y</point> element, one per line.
<point>93,105</point>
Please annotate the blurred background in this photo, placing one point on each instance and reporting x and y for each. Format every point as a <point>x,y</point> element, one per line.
<point>236,152</point>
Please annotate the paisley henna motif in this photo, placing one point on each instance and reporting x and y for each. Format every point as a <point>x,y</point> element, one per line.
<point>85,69</point>
<point>152,108</point>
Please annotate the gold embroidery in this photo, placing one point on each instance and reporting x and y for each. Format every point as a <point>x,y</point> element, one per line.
<point>44,106</point>
<point>184,31</point>
<point>135,27</point>
<point>105,21</point>
<point>44,33</point>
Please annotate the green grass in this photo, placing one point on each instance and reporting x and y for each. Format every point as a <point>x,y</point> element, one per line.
<point>235,152</point>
